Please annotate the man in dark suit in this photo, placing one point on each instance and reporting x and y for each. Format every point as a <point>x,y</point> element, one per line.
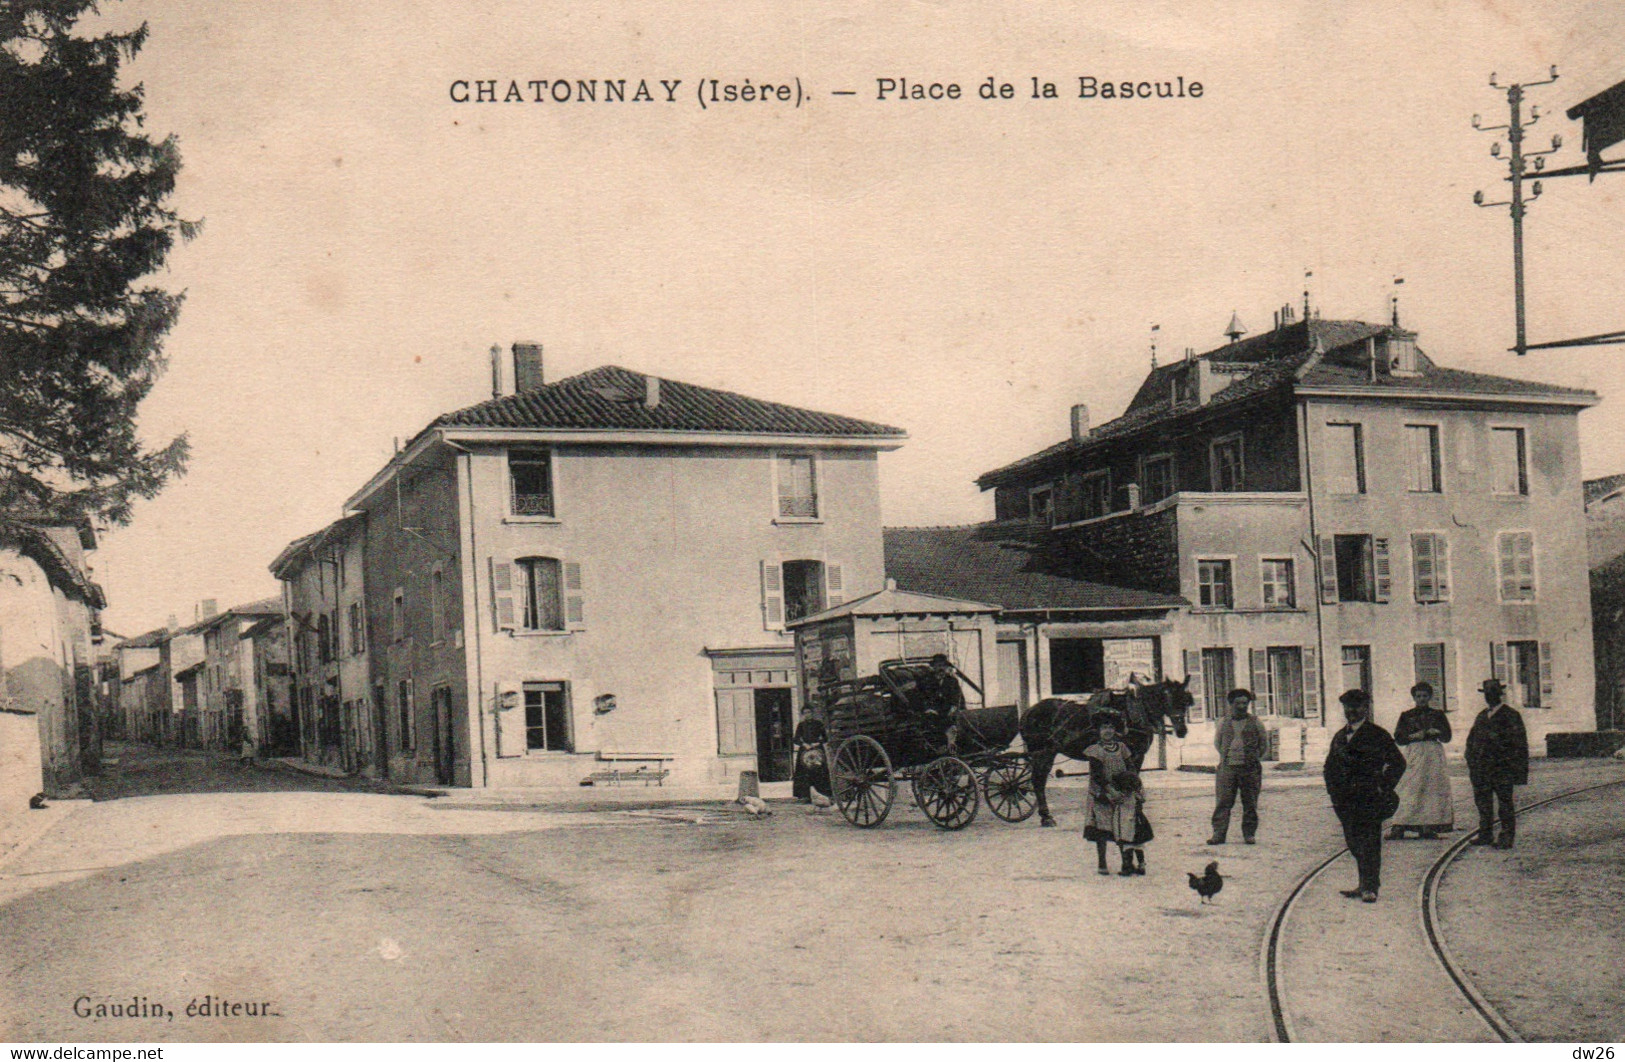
<point>1497,760</point>
<point>1362,770</point>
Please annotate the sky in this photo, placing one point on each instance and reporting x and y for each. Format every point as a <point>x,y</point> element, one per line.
<point>964,269</point>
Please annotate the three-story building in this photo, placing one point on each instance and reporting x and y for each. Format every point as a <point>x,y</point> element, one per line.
<point>1340,512</point>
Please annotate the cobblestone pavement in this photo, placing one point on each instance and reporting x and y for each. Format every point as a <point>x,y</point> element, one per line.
<point>363,916</point>
<point>144,770</point>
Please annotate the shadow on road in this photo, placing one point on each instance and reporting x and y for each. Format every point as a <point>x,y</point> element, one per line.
<point>144,770</point>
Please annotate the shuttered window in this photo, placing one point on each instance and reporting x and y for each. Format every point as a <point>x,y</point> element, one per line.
<point>1515,554</point>
<point>1509,461</point>
<point>772,595</point>
<point>1525,669</point>
<point>1430,566</point>
<point>1431,668</point>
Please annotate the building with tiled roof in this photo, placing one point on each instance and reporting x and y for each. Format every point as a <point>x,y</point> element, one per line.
<point>578,578</point>
<point>1339,510</point>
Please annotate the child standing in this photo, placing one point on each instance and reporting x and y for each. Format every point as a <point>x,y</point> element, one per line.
<point>1104,805</point>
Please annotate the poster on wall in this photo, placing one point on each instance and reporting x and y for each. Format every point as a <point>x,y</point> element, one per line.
<point>1129,657</point>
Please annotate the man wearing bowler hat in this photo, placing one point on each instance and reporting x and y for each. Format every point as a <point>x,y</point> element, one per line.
<point>1497,760</point>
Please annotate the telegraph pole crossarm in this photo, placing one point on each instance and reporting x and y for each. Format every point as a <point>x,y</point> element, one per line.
<point>1602,339</point>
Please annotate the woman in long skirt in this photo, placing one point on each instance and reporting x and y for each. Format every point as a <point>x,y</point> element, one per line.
<point>1424,789</point>
<point>1103,805</point>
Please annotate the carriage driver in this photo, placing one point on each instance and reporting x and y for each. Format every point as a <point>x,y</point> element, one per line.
<point>941,697</point>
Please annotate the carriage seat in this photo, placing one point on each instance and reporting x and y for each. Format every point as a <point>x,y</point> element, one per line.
<point>650,768</point>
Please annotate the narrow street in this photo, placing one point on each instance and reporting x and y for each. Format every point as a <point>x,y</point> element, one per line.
<point>365,916</point>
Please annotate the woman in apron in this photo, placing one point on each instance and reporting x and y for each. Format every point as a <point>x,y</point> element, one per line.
<point>1424,790</point>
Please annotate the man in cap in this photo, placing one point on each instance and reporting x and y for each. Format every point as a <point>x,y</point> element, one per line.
<point>1242,743</point>
<point>1497,760</point>
<point>1363,768</point>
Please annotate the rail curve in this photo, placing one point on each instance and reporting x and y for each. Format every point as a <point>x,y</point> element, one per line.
<point>1281,1030</point>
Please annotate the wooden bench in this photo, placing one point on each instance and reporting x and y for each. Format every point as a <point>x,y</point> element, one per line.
<point>651,768</point>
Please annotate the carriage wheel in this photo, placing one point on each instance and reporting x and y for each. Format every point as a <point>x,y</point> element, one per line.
<point>945,789</point>
<point>862,780</point>
<point>1008,787</point>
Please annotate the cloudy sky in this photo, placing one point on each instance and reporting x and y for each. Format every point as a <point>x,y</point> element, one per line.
<point>964,269</point>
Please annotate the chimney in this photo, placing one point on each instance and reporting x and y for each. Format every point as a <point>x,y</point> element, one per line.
<point>496,370</point>
<point>527,367</point>
<point>210,608</point>
<point>651,392</point>
<point>1080,422</point>
<point>172,624</point>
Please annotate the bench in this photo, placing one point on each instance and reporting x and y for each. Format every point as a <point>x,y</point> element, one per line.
<point>651,768</point>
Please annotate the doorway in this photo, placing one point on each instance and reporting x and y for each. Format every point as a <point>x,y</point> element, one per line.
<point>1012,665</point>
<point>773,732</point>
<point>445,757</point>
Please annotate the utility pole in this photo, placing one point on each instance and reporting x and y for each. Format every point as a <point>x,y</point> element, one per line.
<point>1516,165</point>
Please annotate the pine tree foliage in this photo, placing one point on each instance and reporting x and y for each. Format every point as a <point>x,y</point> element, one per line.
<point>84,217</point>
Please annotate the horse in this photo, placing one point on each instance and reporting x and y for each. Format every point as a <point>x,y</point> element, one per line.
<point>1061,725</point>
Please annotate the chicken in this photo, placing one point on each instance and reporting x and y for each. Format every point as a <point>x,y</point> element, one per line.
<point>755,806</point>
<point>1208,883</point>
<point>820,801</point>
<point>37,802</point>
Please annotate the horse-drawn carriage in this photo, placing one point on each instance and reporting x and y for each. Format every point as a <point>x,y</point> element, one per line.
<point>893,727</point>
<point>886,729</point>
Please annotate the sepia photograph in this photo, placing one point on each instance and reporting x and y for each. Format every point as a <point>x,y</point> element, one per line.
<point>627,522</point>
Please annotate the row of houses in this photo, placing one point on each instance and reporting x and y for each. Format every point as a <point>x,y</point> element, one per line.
<point>219,683</point>
<point>53,689</point>
<point>609,568</point>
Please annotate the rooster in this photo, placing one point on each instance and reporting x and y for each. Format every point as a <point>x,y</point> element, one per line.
<point>756,807</point>
<point>1208,883</point>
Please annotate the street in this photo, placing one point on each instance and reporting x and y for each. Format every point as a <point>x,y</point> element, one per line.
<point>352,915</point>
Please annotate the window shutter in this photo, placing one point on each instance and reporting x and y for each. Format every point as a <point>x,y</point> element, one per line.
<point>510,727</point>
<point>502,597</point>
<point>1327,561</point>
<point>575,615</point>
<point>772,596</point>
<point>1311,682</point>
<point>1261,680</point>
<point>1196,684</point>
<point>1384,567</point>
<point>1498,661</point>
<point>1445,701</point>
<point>1425,567</point>
<point>1441,567</point>
<point>834,585</point>
<point>1548,689</point>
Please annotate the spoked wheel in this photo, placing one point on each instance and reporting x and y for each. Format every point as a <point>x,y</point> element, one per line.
<point>945,789</point>
<point>862,780</point>
<point>1008,787</point>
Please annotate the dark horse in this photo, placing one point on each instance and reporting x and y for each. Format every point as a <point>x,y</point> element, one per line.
<point>1059,725</point>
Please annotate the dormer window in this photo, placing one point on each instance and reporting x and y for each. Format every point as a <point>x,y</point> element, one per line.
<point>1401,354</point>
<point>1041,505</point>
<point>1184,386</point>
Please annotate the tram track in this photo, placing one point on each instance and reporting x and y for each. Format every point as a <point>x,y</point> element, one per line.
<point>1272,961</point>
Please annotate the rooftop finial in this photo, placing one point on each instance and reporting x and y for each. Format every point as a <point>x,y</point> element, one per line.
<point>1307,275</point>
<point>1154,330</point>
<point>1395,299</point>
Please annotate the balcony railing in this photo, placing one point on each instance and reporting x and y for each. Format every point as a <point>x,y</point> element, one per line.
<point>798,508</point>
<point>532,504</point>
